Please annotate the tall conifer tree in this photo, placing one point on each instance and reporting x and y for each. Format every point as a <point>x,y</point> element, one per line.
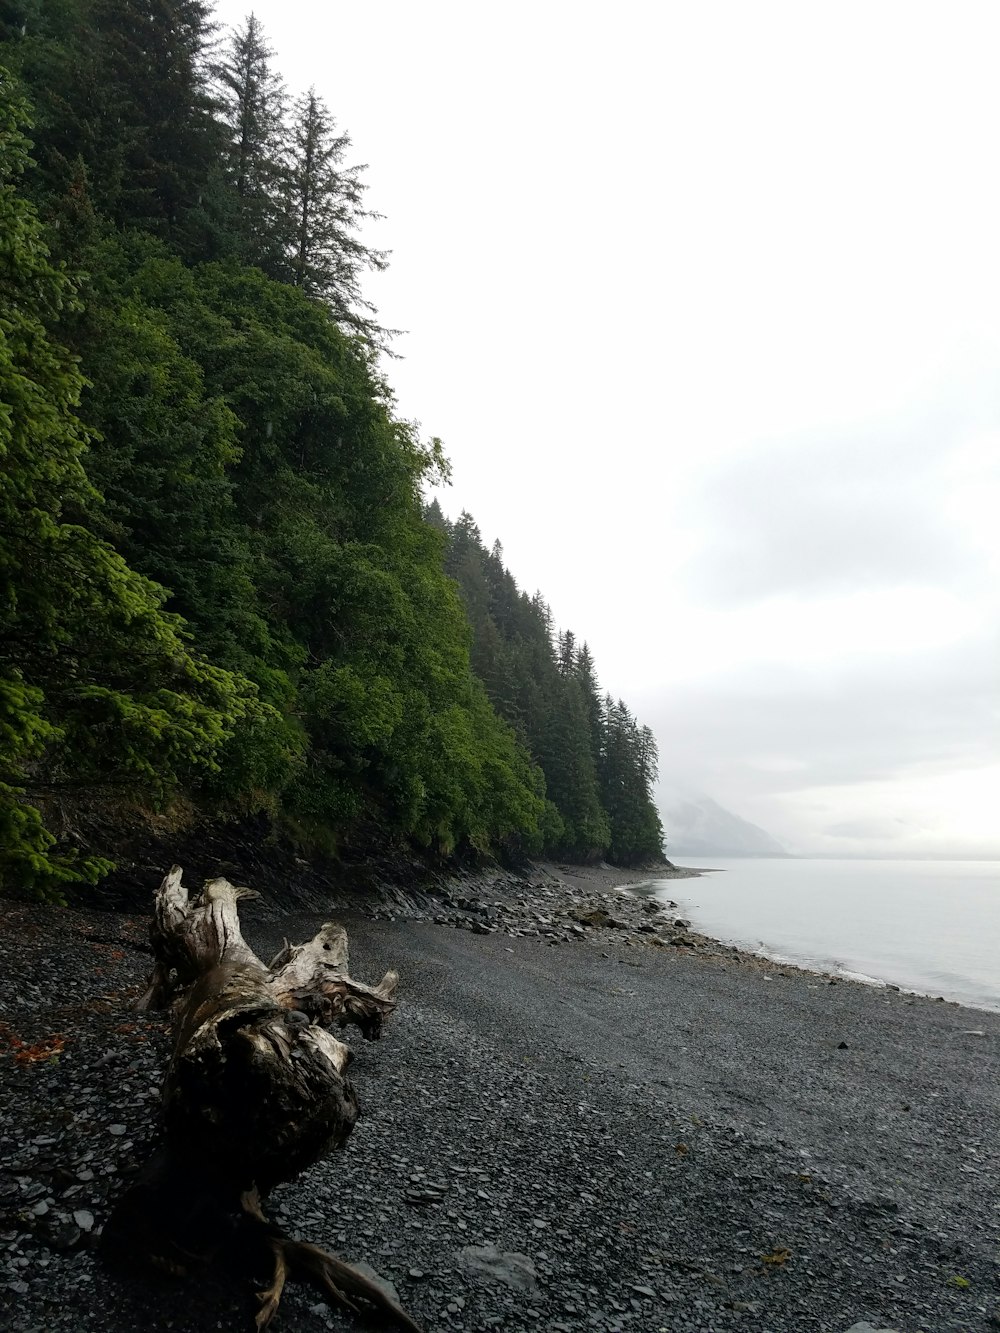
<point>254,102</point>
<point>97,685</point>
<point>122,86</point>
<point>326,208</point>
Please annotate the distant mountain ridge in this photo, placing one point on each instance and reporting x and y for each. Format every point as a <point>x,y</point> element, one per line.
<point>699,826</point>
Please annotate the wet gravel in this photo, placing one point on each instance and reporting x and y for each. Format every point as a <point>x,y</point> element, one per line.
<point>560,1131</point>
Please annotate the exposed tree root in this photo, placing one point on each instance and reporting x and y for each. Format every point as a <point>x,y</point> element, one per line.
<point>343,1285</point>
<point>255,1092</point>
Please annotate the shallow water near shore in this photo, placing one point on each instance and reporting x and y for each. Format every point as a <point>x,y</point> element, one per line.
<point>927,926</point>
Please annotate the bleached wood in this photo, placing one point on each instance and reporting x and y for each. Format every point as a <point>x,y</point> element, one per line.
<point>325,954</point>
<point>316,974</point>
<point>255,1089</point>
<point>190,936</point>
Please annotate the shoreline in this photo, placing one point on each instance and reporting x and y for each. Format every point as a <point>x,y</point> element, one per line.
<point>650,1135</point>
<point>839,973</point>
<point>572,890</point>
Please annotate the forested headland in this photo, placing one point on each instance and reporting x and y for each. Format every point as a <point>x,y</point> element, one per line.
<point>221,592</point>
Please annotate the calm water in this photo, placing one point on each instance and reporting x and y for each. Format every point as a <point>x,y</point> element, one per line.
<point>929,926</point>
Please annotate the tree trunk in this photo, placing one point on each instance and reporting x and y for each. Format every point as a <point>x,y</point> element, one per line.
<point>254,1092</point>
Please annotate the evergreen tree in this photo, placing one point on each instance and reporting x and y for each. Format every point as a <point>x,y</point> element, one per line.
<point>165,449</point>
<point>244,472</point>
<point>627,773</point>
<point>122,87</point>
<point>326,208</point>
<point>254,103</point>
<point>570,777</point>
<point>434,515</point>
<point>586,675</point>
<point>159,48</point>
<point>97,684</point>
<point>566,655</point>
<point>599,766</point>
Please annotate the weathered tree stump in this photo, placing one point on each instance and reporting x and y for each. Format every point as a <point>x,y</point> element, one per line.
<point>254,1093</point>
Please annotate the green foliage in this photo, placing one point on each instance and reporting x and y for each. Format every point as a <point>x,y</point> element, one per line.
<point>98,683</point>
<point>124,113</point>
<point>259,473</point>
<point>599,766</point>
<point>325,204</point>
<point>253,105</point>
<point>217,585</point>
<point>627,768</point>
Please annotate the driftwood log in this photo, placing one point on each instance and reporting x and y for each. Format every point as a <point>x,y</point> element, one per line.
<point>254,1093</point>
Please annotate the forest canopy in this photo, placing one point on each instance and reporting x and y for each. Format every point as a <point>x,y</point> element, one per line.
<point>220,592</point>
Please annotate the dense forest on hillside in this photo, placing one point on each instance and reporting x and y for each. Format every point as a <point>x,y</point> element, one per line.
<point>219,591</point>
<point>599,764</point>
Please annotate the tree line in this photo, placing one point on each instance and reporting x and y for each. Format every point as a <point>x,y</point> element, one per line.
<point>600,765</point>
<point>148,116</point>
<point>219,593</point>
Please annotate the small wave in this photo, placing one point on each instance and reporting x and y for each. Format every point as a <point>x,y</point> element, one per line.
<point>849,974</point>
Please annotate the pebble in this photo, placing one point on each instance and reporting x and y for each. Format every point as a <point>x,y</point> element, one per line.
<point>525,1131</point>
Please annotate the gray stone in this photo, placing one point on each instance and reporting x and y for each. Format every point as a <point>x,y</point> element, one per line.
<point>383,1283</point>
<point>865,1327</point>
<point>507,1266</point>
<point>63,1236</point>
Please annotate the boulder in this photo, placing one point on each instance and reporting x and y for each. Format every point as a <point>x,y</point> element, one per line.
<point>507,1266</point>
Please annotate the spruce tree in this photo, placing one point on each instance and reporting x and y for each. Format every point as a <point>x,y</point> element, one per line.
<point>627,774</point>
<point>159,66</point>
<point>121,88</point>
<point>570,777</point>
<point>566,652</point>
<point>586,675</point>
<point>325,201</point>
<point>98,688</point>
<point>253,103</point>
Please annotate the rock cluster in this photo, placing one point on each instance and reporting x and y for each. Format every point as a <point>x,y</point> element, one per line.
<point>553,909</point>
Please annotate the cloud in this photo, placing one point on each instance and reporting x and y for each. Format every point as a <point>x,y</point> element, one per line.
<point>840,684</point>
<point>869,830</point>
<point>824,516</point>
<point>823,756</point>
<point>915,814</point>
<point>744,433</point>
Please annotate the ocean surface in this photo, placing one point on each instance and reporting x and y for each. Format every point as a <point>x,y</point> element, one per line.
<point>927,926</point>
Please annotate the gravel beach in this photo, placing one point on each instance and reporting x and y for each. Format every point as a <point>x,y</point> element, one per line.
<point>581,1117</point>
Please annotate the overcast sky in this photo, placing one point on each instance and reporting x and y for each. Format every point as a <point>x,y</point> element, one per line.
<point>704,301</point>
